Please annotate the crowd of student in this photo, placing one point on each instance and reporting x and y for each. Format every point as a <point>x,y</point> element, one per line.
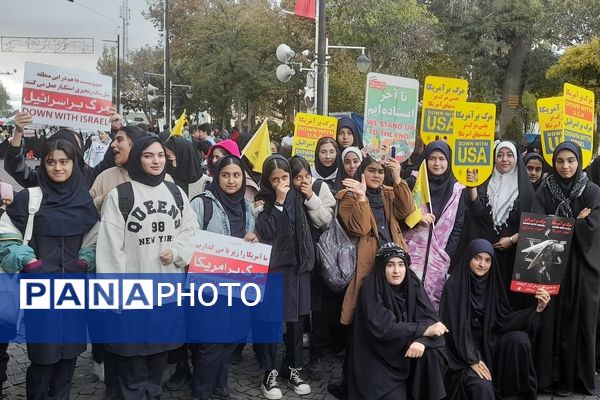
<point>426,315</point>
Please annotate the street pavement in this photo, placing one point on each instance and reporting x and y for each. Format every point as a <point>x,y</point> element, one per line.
<point>244,378</point>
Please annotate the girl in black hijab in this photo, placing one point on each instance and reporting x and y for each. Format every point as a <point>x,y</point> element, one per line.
<point>327,163</point>
<point>183,163</point>
<point>433,241</point>
<point>397,345</point>
<point>534,163</point>
<point>231,216</point>
<point>284,225</point>
<point>65,216</point>
<point>488,347</point>
<point>566,342</point>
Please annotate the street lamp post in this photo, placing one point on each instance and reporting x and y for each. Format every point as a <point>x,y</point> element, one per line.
<point>118,72</point>
<point>363,63</point>
<point>167,69</point>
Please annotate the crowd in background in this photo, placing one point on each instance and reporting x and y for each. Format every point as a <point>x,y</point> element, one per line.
<point>426,314</point>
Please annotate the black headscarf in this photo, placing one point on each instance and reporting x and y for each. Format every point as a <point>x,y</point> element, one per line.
<point>188,162</point>
<point>331,173</point>
<point>375,198</point>
<point>440,187</point>
<point>67,208</point>
<point>71,137</point>
<point>350,124</point>
<point>535,156</point>
<point>466,297</point>
<point>567,184</point>
<point>134,162</point>
<point>233,204</point>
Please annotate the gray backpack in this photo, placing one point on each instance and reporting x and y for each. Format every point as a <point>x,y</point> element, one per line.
<point>336,253</point>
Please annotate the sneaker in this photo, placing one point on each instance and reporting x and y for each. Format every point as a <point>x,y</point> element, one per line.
<point>269,387</point>
<point>226,394</point>
<point>180,378</point>
<point>305,340</point>
<point>297,383</point>
<point>98,370</point>
<point>314,371</point>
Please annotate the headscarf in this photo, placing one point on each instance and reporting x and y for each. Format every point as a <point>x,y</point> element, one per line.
<point>440,187</point>
<point>70,136</point>
<point>229,146</point>
<point>535,156</point>
<point>562,190</point>
<point>320,171</point>
<point>134,162</point>
<point>394,297</point>
<point>503,189</point>
<point>234,204</point>
<point>355,150</point>
<point>188,163</point>
<point>466,297</point>
<point>67,208</point>
<point>350,124</point>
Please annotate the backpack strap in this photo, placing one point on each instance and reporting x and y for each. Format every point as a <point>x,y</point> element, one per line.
<point>208,211</point>
<point>35,199</point>
<point>174,189</point>
<point>316,187</point>
<point>126,200</point>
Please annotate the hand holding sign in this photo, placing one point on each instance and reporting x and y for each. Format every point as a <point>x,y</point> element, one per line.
<point>22,119</point>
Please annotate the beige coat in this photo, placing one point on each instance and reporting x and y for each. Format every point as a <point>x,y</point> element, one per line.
<point>359,221</point>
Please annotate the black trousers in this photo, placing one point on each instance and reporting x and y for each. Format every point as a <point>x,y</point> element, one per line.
<point>140,377</point>
<point>266,352</point>
<point>325,323</point>
<point>211,368</point>
<point>3,362</point>
<point>45,382</point>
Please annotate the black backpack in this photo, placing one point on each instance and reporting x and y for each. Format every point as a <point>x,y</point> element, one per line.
<point>127,200</point>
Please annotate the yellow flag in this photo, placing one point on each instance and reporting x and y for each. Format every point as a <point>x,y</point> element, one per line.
<point>178,128</point>
<point>258,148</point>
<point>420,194</point>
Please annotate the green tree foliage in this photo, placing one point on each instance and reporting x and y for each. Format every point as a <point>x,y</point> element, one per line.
<point>4,107</point>
<point>579,65</point>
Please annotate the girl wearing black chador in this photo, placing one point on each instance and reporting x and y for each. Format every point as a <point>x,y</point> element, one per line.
<point>398,344</point>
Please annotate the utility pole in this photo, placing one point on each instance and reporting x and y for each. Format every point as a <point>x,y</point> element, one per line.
<point>118,72</point>
<point>167,66</point>
<point>322,55</point>
<point>125,17</point>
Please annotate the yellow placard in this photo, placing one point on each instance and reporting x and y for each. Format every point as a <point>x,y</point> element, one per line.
<point>578,119</point>
<point>308,129</point>
<point>550,117</point>
<point>440,96</point>
<point>472,142</point>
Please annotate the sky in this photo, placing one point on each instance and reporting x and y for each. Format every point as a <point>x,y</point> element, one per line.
<point>97,19</point>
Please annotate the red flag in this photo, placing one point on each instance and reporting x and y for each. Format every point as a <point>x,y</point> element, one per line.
<point>306,8</point>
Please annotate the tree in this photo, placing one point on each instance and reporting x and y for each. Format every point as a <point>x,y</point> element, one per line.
<point>226,50</point>
<point>579,65</point>
<point>503,33</point>
<point>134,79</point>
<point>4,106</point>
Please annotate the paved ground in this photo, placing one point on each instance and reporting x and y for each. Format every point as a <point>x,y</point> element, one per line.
<point>244,378</point>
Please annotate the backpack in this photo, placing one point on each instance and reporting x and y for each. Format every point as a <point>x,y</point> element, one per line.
<point>127,200</point>
<point>336,253</point>
<point>35,200</point>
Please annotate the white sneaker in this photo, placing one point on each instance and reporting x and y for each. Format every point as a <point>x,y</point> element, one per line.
<point>98,370</point>
<point>297,383</point>
<point>269,387</point>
